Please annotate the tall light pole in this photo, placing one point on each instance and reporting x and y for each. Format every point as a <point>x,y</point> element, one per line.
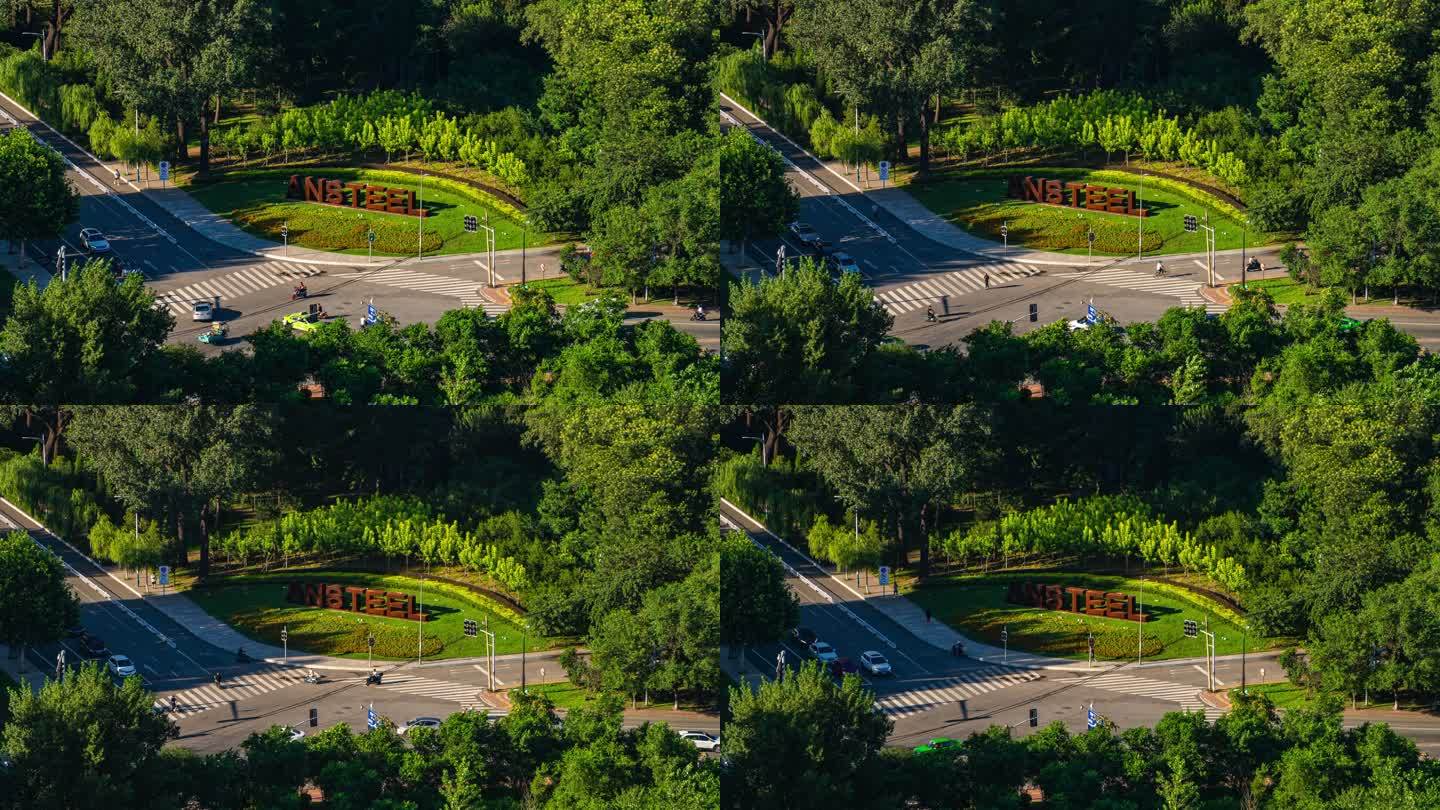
<point>1140,222</point>
<point>44,52</point>
<point>420,628</point>
<point>420,236</point>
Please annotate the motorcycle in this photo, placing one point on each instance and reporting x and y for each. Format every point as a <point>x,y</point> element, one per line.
<point>697,316</point>
<point>930,316</point>
<point>298,293</point>
<point>373,679</point>
<point>217,678</point>
<point>218,331</point>
<point>314,677</point>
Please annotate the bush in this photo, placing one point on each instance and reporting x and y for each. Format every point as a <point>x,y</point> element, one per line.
<point>57,499</point>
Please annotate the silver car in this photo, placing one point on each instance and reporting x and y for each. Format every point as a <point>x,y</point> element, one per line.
<point>121,666</point>
<point>875,663</point>
<point>202,311</point>
<point>824,651</point>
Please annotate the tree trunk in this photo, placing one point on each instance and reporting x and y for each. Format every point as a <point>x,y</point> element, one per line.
<point>180,134</point>
<point>204,144</point>
<point>924,143</point>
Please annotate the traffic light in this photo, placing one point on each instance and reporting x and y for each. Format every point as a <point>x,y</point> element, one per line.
<point>1034,718</point>
<point>471,223</point>
<point>1191,628</point>
<point>1091,236</point>
<point>314,717</point>
<point>1005,230</point>
<point>471,628</point>
<point>1191,224</point>
<point>1034,313</point>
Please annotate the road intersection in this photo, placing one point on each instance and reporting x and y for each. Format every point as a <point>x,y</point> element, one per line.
<point>935,694</point>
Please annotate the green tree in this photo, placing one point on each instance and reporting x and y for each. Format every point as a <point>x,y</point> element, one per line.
<point>84,743</point>
<point>803,743</point>
<point>180,461</point>
<point>903,460</point>
<point>39,604</point>
<point>756,604</point>
<point>756,198</point>
<point>49,202</point>
<point>85,339</point>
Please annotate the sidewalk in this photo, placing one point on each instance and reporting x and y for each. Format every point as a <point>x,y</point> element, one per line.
<point>11,666</point>
<point>911,616</point>
<point>24,269</point>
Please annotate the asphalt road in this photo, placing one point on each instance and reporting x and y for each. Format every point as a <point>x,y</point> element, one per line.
<point>909,272</point>
<point>181,265</point>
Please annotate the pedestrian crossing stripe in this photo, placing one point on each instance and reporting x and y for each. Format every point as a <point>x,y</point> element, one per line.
<point>923,293</point>
<point>939,691</point>
<point>1185,695</point>
<point>233,285</point>
<point>1187,290</point>
<point>467,290</point>
<point>426,687</point>
<point>200,699</point>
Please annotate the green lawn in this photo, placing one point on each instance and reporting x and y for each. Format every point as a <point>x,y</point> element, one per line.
<point>565,695</point>
<point>256,606</point>
<point>1284,695</point>
<point>565,290</point>
<point>976,606</point>
<point>1287,292</point>
<point>977,202</point>
<point>255,201</point>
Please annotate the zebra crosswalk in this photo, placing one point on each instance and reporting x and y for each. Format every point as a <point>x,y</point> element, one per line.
<point>920,294</point>
<point>468,695</point>
<point>1187,696</point>
<point>934,692</point>
<point>199,699</point>
<point>1187,290</point>
<point>232,285</point>
<point>464,289</point>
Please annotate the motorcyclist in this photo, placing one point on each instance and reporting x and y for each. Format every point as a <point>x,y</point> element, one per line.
<point>930,313</point>
<point>300,291</point>
<point>700,311</point>
<point>173,703</point>
<point>1159,269</point>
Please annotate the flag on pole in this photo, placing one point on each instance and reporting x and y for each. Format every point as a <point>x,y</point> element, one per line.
<point>371,720</point>
<point>1090,720</point>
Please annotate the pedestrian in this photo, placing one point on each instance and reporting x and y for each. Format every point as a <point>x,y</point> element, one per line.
<point>927,615</point>
<point>987,281</point>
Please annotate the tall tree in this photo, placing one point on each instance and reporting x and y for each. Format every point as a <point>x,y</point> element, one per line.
<point>180,461</point>
<point>174,57</point>
<point>903,52</point>
<point>49,202</point>
<point>88,338</point>
<point>756,199</point>
<point>84,743</point>
<point>900,460</point>
<point>38,603</point>
<point>756,604</point>
<point>803,743</point>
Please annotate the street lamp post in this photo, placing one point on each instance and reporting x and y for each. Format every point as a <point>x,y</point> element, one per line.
<point>420,236</point>
<point>370,642</point>
<point>420,628</point>
<point>44,49</point>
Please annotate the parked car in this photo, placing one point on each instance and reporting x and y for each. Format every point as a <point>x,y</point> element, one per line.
<point>823,651</point>
<point>938,744</point>
<point>93,645</point>
<point>875,663</point>
<point>121,666</point>
<point>841,667</point>
<point>806,235</point>
<point>703,740</point>
<point>94,240</point>
<point>804,635</point>
<point>421,722</point>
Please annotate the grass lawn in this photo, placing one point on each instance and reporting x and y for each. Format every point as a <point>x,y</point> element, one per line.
<point>565,695</point>
<point>255,605</point>
<point>1286,292</point>
<point>975,605</point>
<point>977,202</point>
<point>566,291</point>
<point>255,201</point>
<point>1284,695</point>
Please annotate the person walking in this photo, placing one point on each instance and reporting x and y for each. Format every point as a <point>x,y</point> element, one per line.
<point>987,281</point>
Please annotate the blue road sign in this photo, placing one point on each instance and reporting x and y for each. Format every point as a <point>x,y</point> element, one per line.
<point>164,575</point>
<point>884,575</point>
<point>1090,314</point>
<point>370,313</point>
<point>1090,719</point>
<point>370,719</point>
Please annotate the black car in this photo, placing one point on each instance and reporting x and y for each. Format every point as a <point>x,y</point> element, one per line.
<point>93,645</point>
<point>804,635</point>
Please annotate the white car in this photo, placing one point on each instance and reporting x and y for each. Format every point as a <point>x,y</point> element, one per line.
<point>1078,323</point>
<point>875,663</point>
<point>121,666</point>
<point>421,722</point>
<point>94,240</point>
<point>703,740</point>
<point>202,311</point>
<point>823,651</point>
<point>295,734</point>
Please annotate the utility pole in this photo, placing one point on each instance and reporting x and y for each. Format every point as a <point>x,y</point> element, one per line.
<point>1140,223</point>
<point>420,235</point>
<point>1140,631</point>
<point>420,628</point>
<point>370,641</point>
